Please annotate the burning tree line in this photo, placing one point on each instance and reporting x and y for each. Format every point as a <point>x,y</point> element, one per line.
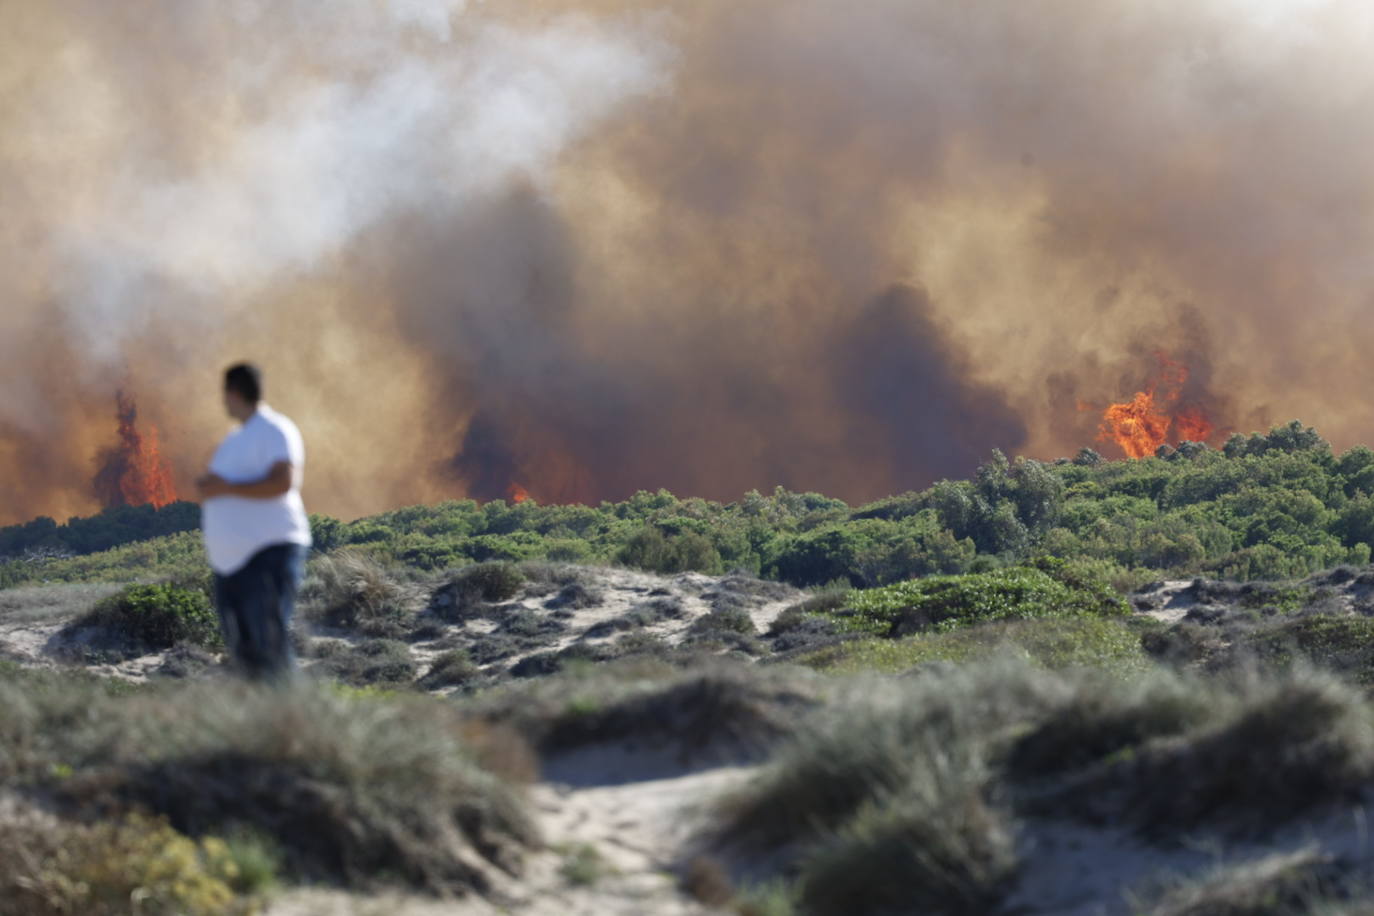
<point>134,472</point>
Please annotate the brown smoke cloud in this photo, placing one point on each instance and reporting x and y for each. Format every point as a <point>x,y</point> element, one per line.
<point>590,247</point>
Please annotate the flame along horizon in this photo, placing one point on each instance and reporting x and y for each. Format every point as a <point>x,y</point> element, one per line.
<point>133,472</point>
<point>1156,417</point>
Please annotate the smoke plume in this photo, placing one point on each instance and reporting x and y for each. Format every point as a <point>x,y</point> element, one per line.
<point>592,246</point>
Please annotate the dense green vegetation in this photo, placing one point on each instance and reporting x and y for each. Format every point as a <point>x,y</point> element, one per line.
<point>1280,505</point>
<point>157,616</point>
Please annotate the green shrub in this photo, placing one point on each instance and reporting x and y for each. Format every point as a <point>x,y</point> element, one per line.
<point>157,616</point>
<point>946,602</point>
<point>54,868</point>
<point>651,550</point>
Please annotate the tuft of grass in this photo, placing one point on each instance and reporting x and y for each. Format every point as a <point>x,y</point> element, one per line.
<point>1283,746</point>
<point>720,710</point>
<point>772,898</point>
<point>1105,718</point>
<point>453,668</point>
<point>1282,884</point>
<point>154,617</point>
<point>367,791</point>
<point>882,740</point>
<point>351,590</point>
<point>32,604</point>
<point>372,662</point>
<point>583,866</point>
<point>953,854</point>
<point>881,800</point>
<point>489,582</point>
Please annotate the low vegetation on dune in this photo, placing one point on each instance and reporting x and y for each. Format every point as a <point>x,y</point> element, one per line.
<point>349,791</point>
<point>722,711</point>
<point>1279,505</point>
<point>1302,883</point>
<point>1157,656</point>
<point>916,795</point>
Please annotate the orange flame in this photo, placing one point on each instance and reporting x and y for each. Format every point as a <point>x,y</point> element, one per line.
<point>133,473</point>
<point>1153,418</point>
<point>518,494</point>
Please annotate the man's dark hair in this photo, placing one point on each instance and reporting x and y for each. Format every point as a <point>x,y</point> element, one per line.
<point>245,380</point>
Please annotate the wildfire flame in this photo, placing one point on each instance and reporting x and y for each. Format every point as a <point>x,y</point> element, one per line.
<point>1154,416</point>
<point>133,473</point>
<point>518,494</point>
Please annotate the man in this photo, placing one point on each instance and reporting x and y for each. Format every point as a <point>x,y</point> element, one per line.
<point>255,528</point>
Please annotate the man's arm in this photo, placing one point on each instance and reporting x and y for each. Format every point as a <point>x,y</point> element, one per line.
<point>278,482</point>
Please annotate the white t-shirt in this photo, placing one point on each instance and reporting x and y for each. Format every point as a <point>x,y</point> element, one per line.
<point>236,528</point>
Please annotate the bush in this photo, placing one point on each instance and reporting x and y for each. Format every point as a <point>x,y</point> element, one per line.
<point>946,602</point>
<point>156,617</point>
<point>54,868</point>
<point>651,550</point>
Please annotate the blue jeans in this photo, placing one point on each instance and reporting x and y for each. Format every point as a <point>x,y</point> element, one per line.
<point>255,608</point>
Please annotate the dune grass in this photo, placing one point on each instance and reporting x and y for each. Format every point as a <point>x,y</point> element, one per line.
<point>353,791</point>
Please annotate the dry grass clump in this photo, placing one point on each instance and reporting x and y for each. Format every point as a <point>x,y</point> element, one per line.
<point>471,589</point>
<point>355,791</point>
<point>371,662</point>
<point>544,578</point>
<point>1282,747</point>
<point>1107,716</point>
<point>351,590</point>
<point>723,711</point>
<point>882,801</point>
<point>1284,884</point>
<point>952,854</point>
<point>33,604</point>
<point>452,668</point>
<point>644,614</point>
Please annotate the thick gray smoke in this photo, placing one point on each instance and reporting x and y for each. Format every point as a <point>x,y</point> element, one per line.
<point>589,247</point>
